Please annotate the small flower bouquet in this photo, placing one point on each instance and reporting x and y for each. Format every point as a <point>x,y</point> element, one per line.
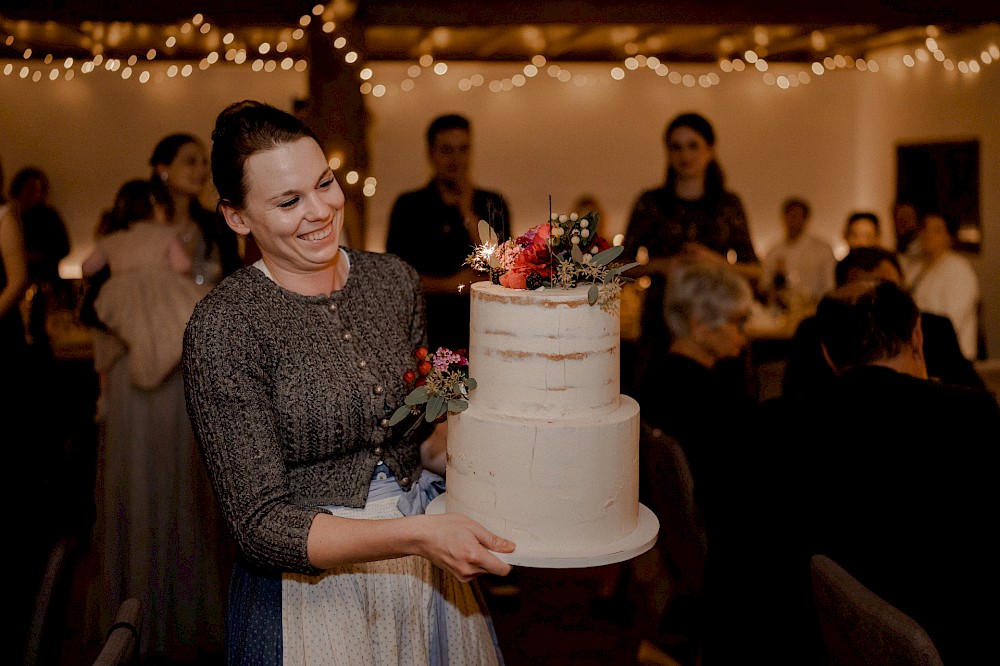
<point>441,384</point>
<point>560,253</point>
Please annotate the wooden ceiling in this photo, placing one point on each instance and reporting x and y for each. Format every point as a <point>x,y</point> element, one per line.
<point>393,30</point>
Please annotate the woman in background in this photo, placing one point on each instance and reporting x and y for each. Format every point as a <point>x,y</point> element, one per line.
<point>158,532</point>
<point>693,218</point>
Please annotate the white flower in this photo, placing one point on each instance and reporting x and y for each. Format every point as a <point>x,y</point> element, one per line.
<point>575,240</point>
<point>584,223</point>
<point>555,216</point>
<point>585,233</point>
<point>593,250</point>
<point>574,217</point>
<point>558,231</point>
<point>564,218</point>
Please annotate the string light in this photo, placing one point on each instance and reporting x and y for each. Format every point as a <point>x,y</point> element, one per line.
<point>97,36</point>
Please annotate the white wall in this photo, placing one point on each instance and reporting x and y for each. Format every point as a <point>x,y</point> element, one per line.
<point>832,140</point>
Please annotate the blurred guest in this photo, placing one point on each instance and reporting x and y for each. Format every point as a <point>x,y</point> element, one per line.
<point>150,295</point>
<point>807,369</point>
<point>706,307</point>
<point>435,228</point>
<point>159,533</point>
<point>906,222</point>
<point>693,218</point>
<point>862,229</point>
<point>943,281</point>
<point>906,504</point>
<point>47,243</point>
<point>798,270</point>
<point>14,276</point>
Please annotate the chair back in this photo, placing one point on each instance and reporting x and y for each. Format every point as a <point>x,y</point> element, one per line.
<point>861,628</point>
<point>44,637</point>
<point>121,646</point>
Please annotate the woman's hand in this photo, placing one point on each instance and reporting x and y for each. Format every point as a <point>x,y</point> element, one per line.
<point>461,546</point>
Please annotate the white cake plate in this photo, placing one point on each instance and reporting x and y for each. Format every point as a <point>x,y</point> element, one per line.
<point>638,542</point>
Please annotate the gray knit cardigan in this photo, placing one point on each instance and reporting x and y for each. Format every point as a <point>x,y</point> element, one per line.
<point>290,397</point>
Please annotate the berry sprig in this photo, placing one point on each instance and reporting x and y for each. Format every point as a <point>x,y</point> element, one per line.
<point>441,384</point>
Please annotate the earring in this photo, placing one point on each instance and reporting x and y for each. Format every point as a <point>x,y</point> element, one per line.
<point>163,176</point>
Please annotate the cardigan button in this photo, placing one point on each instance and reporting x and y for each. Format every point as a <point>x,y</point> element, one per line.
<point>378,389</point>
<point>405,481</point>
<point>384,423</point>
<point>333,306</point>
<point>378,451</point>
<point>347,335</point>
<point>362,363</point>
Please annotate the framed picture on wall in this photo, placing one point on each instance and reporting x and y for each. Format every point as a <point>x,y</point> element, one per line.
<point>943,176</point>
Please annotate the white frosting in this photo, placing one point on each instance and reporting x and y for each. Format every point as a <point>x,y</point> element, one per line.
<point>542,353</point>
<point>564,486</point>
<point>547,454</point>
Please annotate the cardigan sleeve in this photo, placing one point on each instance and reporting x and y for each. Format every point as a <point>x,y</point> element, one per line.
<point>229,403</point>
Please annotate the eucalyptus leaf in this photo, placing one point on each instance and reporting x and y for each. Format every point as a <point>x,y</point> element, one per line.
<point>457,405</point>
<point>417,396</point>
<point>593,293</point>
<point>607,256</point>
<point>486,234</point>
<point>576,253</point>
<point>470,382</point>
<point>435,407</point>
<point>618,270</point>
<point>401,413</point>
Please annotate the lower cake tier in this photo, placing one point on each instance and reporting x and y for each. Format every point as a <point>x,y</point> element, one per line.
<point>558,487</point>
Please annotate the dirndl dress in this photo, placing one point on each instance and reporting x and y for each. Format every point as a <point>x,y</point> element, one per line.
<point>399,611</point>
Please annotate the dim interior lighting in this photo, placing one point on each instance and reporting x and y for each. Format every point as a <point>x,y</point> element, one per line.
<point>205,29</point>
<point>257,65</point>
<point>70,74</point>
<point>36,77</point>
<point>270,66</point>
<point>366,88</point>
<point>440,68</point>
<point>379,90</point>
<point>53,74</point>
<point>68,63</point>
<point>329,27</point>
<point>27,54</point>
<point>465,85</point>
<point>406,85</point>
<point>632,64</point>
<point>228,38</point>
<point>186,70</point>
<point>335,162</point>
<point>212,58</point>
<point>318,9</point>
<point>151,54</point>
<point>538,61</point>
<point>172,71</point>
<point>617,73</point>
<point>351,177</point>
<point>530,70</point>
<point>478,80</point>
<point>171,40</point>
<point>264,48</point>
<point>351,57</point>
<point>197,19</point>
<point>127,73</point>
<point>305,20</point>
<point>365,74</point>
<point>186,28</point>
<point>132,60</point>
<point>426,60</point>
<point>750,56</point>
<point>48,59</point>
<point>287,63</point>
<point>339,43</point>
<point>301,65</point>
<point>299,33</point>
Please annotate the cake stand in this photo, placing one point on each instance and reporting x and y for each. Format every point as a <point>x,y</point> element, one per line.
<point>638,542</point>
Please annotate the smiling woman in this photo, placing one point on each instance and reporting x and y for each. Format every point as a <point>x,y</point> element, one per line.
<point>293,367</point>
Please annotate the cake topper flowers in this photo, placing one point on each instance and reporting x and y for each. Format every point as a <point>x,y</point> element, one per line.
<point>561,253</point>
<point>441,384</point>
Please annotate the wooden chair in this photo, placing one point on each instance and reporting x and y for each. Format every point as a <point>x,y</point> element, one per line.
<point>861,628</point>
<point>44,637</point>
<point>121,646</point>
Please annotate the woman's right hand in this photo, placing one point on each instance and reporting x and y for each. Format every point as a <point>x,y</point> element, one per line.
<point>460,545</point>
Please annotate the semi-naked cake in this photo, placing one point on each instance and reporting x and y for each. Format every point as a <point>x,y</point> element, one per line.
<point>547,453</point>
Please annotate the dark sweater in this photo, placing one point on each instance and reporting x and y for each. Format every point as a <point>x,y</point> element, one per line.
<point>290,396</point>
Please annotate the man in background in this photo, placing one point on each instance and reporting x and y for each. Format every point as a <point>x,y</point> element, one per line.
<point>436,227</point>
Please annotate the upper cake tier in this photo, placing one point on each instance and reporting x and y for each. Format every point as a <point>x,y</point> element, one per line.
<point>530,363</point>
